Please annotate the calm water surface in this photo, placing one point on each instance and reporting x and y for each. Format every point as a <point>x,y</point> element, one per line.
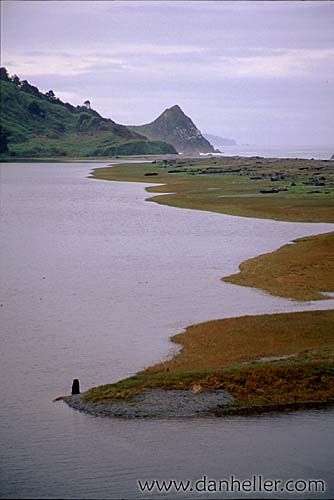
<point>93,282</point>
<point>307,152</point>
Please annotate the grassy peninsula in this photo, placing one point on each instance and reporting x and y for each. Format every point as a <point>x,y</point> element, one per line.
<point>273,359</point>
<point>260,360</point>
<point>280,189</point>
<point>301,271</point>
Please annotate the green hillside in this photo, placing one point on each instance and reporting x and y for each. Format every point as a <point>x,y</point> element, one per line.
<point>34,124</point>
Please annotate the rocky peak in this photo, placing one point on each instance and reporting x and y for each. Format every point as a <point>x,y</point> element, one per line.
<point>176,128</point>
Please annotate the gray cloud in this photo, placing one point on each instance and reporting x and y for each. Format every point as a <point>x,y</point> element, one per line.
<point>258,71</point>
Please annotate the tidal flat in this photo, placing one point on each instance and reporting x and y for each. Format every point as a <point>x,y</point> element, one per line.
<point>275,359</point>
<point>295,190</point>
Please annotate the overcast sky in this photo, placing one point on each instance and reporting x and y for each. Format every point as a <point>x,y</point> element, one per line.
<point>258,72</point>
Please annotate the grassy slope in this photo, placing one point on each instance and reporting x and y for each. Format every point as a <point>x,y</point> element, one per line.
<point>54,128</point>
<point>224,353</point>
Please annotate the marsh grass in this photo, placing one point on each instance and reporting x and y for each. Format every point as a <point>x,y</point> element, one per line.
<point>194,185</point>
<point>265,383</point>
<point>226,354</point>
<point>302,271</point>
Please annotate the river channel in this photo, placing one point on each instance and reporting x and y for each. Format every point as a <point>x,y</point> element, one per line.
<point>94,280</point>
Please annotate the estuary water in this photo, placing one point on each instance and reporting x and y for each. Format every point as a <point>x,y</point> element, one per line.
<point>94,280</point>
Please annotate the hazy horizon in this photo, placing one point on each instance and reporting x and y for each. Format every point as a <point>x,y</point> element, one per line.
<point>261,73</point>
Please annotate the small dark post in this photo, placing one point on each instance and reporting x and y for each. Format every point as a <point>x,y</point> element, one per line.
<point>75,387</point>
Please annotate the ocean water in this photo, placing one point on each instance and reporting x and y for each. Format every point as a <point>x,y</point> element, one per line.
<point>307,152</point>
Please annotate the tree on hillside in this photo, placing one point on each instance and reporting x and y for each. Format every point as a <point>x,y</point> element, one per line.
<point>50,95</point>
<point>15,79</point>
<point>69,106</point>
<point>4,135</point>
<point>4,76</point>
<point>27,87</point>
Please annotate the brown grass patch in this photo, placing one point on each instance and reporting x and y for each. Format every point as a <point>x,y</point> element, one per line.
<point>311,381</point>
<point>299,271</point>
<point>226,342</point>
<point>222,355</point>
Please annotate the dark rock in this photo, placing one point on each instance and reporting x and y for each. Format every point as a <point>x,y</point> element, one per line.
<point>75,387</point>
<point>150,174</point>
<point>269,190</point>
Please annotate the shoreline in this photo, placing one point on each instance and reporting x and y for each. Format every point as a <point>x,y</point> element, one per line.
<point>159,404</point>
<point>237,151</point>
<point>155,403</point>
<point>84,159</point>
<point>290,190</point>
<point>105,400</point>
<point>255,384</point>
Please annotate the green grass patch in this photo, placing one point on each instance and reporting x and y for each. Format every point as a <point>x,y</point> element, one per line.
<point>266,383</point>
